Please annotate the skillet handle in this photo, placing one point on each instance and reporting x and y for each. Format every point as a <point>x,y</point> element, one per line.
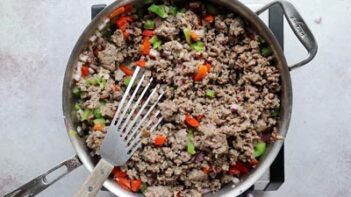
<point>43,181</point>
<point>95,180</point>
<point>299,27</point>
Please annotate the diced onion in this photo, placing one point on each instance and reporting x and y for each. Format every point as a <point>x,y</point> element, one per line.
<point>76,77</point>
<point>83,57</point>
<point>91,71</point>
<point>234,107</point>
<point>154,53</point>
<point>92,38</point>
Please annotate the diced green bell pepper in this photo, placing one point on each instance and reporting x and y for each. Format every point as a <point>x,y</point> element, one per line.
<point>259,149</point>
<point>210,93</point>
<point>149,24</point>
<point>143,187</point>
<point>198,46</point>
<point>156,43</point>
<point>127,80</point>
<point>173,10</point>
<point>97,113</point>
<point>85,115</point>
<point>101,121</point>
<point>160,10</point>
<point>186,32</point>
<point>266,51</point>
<point>190,144</point>
<point>76,91</point>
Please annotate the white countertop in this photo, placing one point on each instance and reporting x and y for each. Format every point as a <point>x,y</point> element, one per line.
<point>38,36</point>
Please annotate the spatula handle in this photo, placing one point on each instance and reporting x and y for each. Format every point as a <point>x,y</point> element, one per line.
<point>95,180</point>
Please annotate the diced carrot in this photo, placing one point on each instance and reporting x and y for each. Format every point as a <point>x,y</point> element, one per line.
<point>128,8</point>
<point>160,140</point>
<point>118,173</point>
<point>206,169</point>
<point>253,162</point>
<point>126,70</point>
<point>199,117</point>
<point>117,12</point>
<point>126,35</point>
<point>85,70</point>
<point>189,120</point>
<point>209,18</point>
<point>98,127</point>
<point>238,169</point>
<point>117,88</point>
<point>208,66</point>
<point>146,46</point>
<point>123,22</point>
<point>194,36</point>
<point>123,182</point>
<point>141,63</point>
<point>147,32</point>
<point>135,185</point>
<point>201,73</point>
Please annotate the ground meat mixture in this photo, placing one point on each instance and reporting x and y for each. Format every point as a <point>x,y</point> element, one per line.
<point>221,103</point>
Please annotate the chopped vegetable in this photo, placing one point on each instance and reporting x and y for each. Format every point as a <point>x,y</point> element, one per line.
<point>148,33</point>
<point>199,117</point>
<point>160,10</point>
<point>123,182</point>
<point>210,93</point>
<point>156,43</point>
<point>266,51</point>
<point>118,173</point>
<point>128,8</point>
<point>198,46</point>
<point>211,9</point>
<point>190,144</point>
<point>101,82</point>
<point>76,91</point>
<point>98,127</point>
<point>208,67</point>
<point>127,80</point>
<point>148,1</point>
<point>97,113</point>
<point>259,149</point>
<point>126,70</point>
<point>209,19</point>
<point>194,36</point>
<point>275,113</point>
<point>190,121</point>
<point>123,22</point>
<point>186,32</point>
<point>117,12</point>
<point>85,71</point>
<point>206,169</point>
<point>238,169</point>
<point>149,24</point>
<point>85,115</point>
<point>101,121</point>
<point>261,40</point>
<point>253,162</point>
<point>135,185</point>
<point>91,81</point>
<point>160,140</point>
<point>143,187</point>
<point>146,46</point>
<point>141,63</point>
<point>173,10</point>
<point>77,106</point>
<point>201,73</point>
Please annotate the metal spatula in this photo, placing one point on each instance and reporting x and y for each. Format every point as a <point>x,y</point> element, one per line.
<point>123,135</point>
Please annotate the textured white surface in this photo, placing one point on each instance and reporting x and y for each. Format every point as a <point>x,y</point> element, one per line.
<point>37,37</point>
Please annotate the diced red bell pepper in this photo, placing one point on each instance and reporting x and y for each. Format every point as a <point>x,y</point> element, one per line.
<point>85,70</point>
<point>148,33</point>
<point>118,173</point>
<point>124,183</point>
<point>135,185</point>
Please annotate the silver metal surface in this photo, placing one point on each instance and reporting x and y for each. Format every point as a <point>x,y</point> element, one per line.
<point>300,29</point>
<point>286,93</point>
<point>41,182</point>
<point>120,143</point>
